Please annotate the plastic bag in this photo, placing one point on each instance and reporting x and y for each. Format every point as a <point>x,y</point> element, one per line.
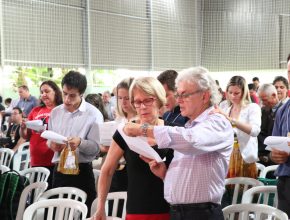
<point>68,162</point>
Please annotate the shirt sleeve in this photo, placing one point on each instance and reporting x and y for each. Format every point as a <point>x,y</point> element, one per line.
<point>255,119</point>
<point>89,144</point>
<point>211,134</point>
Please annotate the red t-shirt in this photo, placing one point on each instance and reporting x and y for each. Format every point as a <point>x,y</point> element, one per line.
<point>40,154</point>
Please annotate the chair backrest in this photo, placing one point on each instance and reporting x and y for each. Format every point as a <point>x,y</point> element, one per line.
<point>65,192</point>
<point>6,155</point>
<point>240,185</point>
<point>268,169</point>
<point>4,168</point>
<point>96,175</point>
<point>116,197</point>
<point>36,174</point>
<point>65,209</point>
<point>21,159</point>
<point>255,211</point>
<point>260,167</point>
<point>267,195</point>
<point>30,194</point>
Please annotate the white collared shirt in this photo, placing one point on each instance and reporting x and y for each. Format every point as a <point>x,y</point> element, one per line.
<point>201,157</point>
<point>80,123</point>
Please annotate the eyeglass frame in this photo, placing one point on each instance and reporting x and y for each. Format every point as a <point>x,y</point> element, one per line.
<point>185,95</point>
<point>142,102</point>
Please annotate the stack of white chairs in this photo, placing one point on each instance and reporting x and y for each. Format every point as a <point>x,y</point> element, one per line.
<point>36,174</point>
<point>268,169</point>
<point>65,192</point>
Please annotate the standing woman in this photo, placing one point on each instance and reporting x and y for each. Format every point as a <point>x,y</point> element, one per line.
<point>245,118</point>
<point>40,154</point>
<point>145,197</point>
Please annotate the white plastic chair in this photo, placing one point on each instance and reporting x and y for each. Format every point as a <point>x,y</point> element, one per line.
<point>57,209</point>
<point>260,167</point>
<point>264,193</point>
<point>6,155</point>
<point>21,159</point>
<point>36,174</point>
<point>255,211</point>
<point>116,197</point>
<point>4,168</point>
<point>241,184</point>
<point>65,192</point>
<point>96,175</point>
<point>268,169</point>
<point>31,193</point>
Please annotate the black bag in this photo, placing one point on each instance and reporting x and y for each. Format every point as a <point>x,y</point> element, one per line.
<point>11,187</point>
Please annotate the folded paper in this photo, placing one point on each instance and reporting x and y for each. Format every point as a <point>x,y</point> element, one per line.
<point>276,142</point>
<point>52,136</point>
<point>36,125</point>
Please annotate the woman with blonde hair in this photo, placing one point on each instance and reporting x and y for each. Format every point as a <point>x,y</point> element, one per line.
<point>145,200</point>
<point>245,118</point>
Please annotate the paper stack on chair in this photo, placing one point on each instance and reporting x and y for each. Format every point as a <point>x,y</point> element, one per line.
<point>106,132</point>
<point>55,137</point>
<point>139,145</point>
<point>276,142</point>
<point>36,125</point>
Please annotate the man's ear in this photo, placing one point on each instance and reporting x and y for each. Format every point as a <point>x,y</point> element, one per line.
<point>206,96</point>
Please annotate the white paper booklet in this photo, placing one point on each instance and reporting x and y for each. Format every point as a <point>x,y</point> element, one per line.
<point>139,145</point>
<point>55,137</point>
<point>106,132</point>
<point>36,125</point>
<point>279,143</point>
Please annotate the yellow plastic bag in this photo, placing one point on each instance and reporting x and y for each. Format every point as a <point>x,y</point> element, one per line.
<point>68,162</point>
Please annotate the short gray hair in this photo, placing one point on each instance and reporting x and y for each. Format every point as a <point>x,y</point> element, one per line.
<point>200,77</point>
<point>268,89</point>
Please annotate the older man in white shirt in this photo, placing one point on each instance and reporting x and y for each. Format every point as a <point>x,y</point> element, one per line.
<point>194,181</point>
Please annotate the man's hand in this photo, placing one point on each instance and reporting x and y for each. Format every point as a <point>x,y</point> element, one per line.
<point>73,142</point>
<point>132,129</point>
<point>278,156</point>
<point>159,169</point>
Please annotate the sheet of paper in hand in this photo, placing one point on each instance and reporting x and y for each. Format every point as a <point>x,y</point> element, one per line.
<point>36,125</point>
<point>139,145</point>
<point>106,132</point>
<point>51,135</point>
<point>279,143</point>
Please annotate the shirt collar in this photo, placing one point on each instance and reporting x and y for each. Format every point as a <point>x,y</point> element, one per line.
<point>82,107</point>
<point>199,118</point>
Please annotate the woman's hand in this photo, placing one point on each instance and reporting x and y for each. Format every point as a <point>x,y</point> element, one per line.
<point>132,129</point>
<point>159,169</point>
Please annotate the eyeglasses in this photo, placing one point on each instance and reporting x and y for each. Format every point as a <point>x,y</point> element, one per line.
<point>145,102</point>
<point>185,95</point>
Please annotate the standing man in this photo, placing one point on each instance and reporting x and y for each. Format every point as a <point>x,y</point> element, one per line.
<point>27,102</point>
<point>109,106</point>
<point>256,82</point>
<point>76,119</point>
<point>269,97</point>
<point>172,115</point>
<point>194,182</point>
<point>282,128</point>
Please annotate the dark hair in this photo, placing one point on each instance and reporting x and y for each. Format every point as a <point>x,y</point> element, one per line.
<point>8,100</point>
<point>75,80</point>
<point>288,58</point>
<point>19,109</point>
<point>282,79</point>
<point>168,77</point>
<point>56,89</point>
<point>1,99</point>
<point>25,87</point>
<point>256,79</point>
<point>252,86</point>
<point>96,100</point>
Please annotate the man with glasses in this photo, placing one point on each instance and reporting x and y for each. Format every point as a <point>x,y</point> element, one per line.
<point>172,115</point>
<point>195,179</point>
<point>76,119</point>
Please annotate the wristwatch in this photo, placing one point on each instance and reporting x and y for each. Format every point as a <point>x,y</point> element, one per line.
<point>144,128</point>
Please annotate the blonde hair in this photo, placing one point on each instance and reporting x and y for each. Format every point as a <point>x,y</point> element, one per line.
<point>240,82</point>
<point>150,86</point>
